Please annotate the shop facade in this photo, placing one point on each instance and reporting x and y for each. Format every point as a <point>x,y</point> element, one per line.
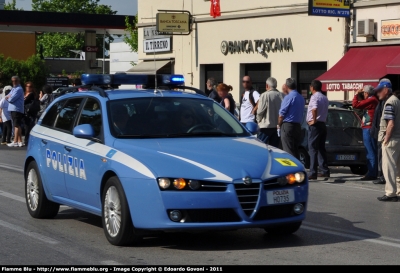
<point>256,38</point>
<point>374,51</point>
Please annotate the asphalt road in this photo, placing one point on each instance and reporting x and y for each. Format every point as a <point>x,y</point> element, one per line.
<point>345,225</point>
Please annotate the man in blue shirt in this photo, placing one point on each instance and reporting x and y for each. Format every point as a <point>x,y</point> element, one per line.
<point>290,118</point>
<point>16,107</point>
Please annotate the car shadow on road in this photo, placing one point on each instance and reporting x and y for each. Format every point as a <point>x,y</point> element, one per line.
<point>320,228</point>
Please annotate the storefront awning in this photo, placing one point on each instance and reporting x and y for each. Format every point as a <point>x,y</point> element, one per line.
<point>361,66</point>
<point>149,67</point>
<point>394,66</point>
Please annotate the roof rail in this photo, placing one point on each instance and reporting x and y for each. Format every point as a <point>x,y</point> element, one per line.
<point>79,88</point>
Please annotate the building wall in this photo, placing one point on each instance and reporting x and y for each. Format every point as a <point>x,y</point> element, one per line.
<point>121,57</point>
<point>18,46</point>
<point>315,39</point>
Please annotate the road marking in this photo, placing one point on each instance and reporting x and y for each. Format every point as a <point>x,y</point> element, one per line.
<point>349,231</point>
<point>31,234</point>
<point>11,167</point>
<point>353,237</point>
<point>110,263</point>
<point>353,187</point>
<point>12,196</point>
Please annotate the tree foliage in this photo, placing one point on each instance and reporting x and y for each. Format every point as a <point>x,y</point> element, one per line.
<point>132,37</point>
<point>33,69</point>
<point>11,6</point>
<point>60,44</point>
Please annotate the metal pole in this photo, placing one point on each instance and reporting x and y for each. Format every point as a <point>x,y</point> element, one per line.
<point>104,52</point>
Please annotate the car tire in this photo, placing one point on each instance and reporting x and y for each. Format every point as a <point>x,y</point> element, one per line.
<point>36,201</point>
<point>304,158</point>
<point>286,229</point>
<point>116,217</point>
<point>359,169</point>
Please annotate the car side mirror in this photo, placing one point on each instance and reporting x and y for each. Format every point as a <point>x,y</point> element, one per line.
<point>252,127</point>
<point>85,131</point>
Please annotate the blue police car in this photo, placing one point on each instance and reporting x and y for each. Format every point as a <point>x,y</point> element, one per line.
<point>163,159</point>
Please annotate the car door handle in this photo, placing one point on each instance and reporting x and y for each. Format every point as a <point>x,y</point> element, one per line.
<point>44,141</point>
<point>69,149</point>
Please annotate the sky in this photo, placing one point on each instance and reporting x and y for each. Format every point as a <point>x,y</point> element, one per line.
<point>123,7</point>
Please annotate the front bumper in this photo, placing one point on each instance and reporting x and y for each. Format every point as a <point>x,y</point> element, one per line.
<point>207,210</point>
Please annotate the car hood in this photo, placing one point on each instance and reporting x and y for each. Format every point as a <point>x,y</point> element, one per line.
<point>218,159</point>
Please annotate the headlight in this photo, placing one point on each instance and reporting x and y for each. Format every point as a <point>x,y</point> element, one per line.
<point>299,177</point>
<point>164,183</point>
<point>291,179</point>
<point>179,183</point>
<point>194,184</point>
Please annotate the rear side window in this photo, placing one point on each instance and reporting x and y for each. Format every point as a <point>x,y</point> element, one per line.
<point>51,115</point>
<point>67,115</point>
<point>91,114</point>
<point>342,119</point>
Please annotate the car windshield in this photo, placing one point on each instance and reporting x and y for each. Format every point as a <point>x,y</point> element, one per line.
<point>164,117</point>
<point>343,119</point>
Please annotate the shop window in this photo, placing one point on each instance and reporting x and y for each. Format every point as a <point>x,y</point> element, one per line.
<point>305,73</point>
<point>259,73</point>
<point>207,71</point>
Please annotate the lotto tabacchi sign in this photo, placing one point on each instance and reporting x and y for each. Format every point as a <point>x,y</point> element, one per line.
<point>335,8</point>
<point>261,46</point>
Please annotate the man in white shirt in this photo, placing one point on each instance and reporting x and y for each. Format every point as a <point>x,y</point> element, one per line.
<point>5,117</point>
<point>249,100</point>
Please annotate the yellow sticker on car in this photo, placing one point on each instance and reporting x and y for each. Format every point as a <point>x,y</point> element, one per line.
<point>286,162</point>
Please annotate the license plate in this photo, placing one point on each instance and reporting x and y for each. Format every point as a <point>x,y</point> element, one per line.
<point>345,157</point>
<point>280,196</point>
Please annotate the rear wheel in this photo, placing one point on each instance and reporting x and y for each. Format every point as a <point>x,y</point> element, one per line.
<point>36,201</point>
<point>285,229</point>
<point>304,158</point>
<point>116,217</point>
<point>359,169</point>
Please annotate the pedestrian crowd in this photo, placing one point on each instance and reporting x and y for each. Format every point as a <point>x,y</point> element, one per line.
<point>279,115</point>
<point>20,109</point>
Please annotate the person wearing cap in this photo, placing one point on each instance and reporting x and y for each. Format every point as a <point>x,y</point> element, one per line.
<point>389,135</point>
<point>5,117</point>
<point>368,104</point>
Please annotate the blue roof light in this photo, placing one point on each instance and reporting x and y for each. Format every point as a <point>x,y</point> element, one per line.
<point>138,79</point>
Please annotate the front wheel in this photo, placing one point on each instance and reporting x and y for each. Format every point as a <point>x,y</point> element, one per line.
<point>304,158</point>
<point>285,229</point>
<point>116,217</point>
<point>36,201</point>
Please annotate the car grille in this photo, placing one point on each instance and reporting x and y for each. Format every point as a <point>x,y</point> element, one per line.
<point>248,196</point>
<point>275,212</point>
<point>211,215</point>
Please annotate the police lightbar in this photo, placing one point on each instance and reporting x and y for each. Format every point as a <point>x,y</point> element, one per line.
<point>138,79</point>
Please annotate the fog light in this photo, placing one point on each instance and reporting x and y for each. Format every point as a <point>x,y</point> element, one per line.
<point>291,179</point>
<point>164,183</point>
<point>282,181</point>
<point>299,177</point>
<point>179,183</point>
<point>175,215</point>
<point>298,208</point>
<point>194,184</point>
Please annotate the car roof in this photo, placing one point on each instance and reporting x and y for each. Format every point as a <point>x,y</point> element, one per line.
<point>333,109</point>
<point>115,94</point>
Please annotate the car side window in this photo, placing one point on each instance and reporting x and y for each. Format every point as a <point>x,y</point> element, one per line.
<point>66,116</point>
<point>51,115</point>
<point>91,114</point>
